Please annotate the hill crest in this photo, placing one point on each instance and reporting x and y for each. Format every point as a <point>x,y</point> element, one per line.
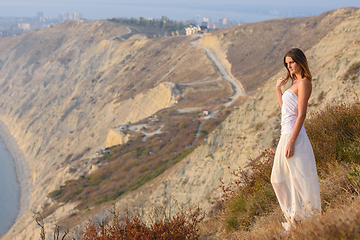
<point>84,86</point>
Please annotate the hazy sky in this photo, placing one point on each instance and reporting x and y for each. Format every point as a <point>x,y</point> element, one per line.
<point>184,9</point>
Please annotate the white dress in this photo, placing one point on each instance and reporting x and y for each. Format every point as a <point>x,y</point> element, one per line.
<point>295,180</point>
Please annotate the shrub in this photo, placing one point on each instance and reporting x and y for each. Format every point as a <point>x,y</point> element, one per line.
<point>55,193</point>
<point>130,165</point>
<point>210,124</point>
<point>354,176</point>
<point>352,72</point>
<point>182,126</point>
<point>251,194</point>
<point>335,134</point>
<point>184,224</point>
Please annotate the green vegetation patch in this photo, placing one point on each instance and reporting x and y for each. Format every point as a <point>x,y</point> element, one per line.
<point>150,27</point>
<point>335,134</point>
<point>251,195</point>
<point>209,125</point>
<point>131,165</point>
<point>183,224</point>
<point>352,72</point>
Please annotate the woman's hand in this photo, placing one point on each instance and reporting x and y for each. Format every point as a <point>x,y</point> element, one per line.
<point>281,82</point>
<point>290,149</point>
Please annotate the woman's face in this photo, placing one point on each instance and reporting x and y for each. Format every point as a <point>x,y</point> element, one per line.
<point>293,66</point>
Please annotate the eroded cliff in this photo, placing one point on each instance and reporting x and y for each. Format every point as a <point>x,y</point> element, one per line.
<point>255,125</point>
<point>65,109</point>
<point>64,88</point>
<point>252,51</point>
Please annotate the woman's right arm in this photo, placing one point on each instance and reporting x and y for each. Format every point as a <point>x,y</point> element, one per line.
<point>280,82</point>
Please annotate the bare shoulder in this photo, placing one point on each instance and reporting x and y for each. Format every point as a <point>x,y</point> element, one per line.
<point>304,82</point>
<point>305,86</point>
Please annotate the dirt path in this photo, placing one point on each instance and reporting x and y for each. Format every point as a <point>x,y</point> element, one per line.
<point>238,89</point>
<point>138,128</point>
<point>120,37</point>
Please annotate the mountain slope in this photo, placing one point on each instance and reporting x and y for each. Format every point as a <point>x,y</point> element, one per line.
<point>252,51</point>
<point>253,126</point>
<point>64,88</point>
<point>68,105</point>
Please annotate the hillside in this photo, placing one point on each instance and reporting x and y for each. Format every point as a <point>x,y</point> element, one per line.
<point>64,88</point>
<point>60,103</point>
<point>252,51</point>
<point>255,125</point>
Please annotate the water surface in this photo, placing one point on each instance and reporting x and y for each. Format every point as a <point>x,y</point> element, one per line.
<point>9,190</point>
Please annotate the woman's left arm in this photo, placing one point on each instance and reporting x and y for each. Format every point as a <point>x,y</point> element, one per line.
<point>304,92</point>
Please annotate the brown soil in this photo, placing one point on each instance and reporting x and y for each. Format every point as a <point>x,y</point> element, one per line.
<point>255,51</point>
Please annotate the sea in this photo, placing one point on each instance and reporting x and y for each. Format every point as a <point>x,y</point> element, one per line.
<point>9,186</point>
<point>9,190</point>
<point>174,10</point>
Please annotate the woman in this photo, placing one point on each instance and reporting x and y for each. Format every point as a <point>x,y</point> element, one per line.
<point>294,176</point>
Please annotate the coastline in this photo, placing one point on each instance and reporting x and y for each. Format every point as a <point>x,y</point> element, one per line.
<point>22,169</point>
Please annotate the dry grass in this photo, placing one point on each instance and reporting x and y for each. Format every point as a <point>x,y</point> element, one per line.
<point>244,44</point>
<point>340,223</point>
<point>184,224</point>
<point>250,195</point>
<point>130,165</point>
<point>249,209</point>
<point>335,135</point>
<point>338,197</point>
<point>353,72</point>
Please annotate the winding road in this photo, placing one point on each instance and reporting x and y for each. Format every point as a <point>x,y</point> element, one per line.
<point>121,35</point>
<point>238,89</point>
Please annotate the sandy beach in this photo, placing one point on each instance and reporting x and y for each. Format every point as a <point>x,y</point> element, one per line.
<point>22,169</point>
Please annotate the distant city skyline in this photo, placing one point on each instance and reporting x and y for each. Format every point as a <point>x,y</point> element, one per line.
<point>257,10</point>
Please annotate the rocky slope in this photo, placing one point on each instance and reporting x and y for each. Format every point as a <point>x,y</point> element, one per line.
<point>66,108</point>
<point>255,125</point>
<point>252,51</point>
<point>64,88</point>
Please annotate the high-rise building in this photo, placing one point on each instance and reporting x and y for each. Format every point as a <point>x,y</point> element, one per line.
<point>223,22</point>
<point>65,15</point>
<point>39,14</point>
<point>24,26</point>
<point>206,22</point>
<point>77,16</point>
